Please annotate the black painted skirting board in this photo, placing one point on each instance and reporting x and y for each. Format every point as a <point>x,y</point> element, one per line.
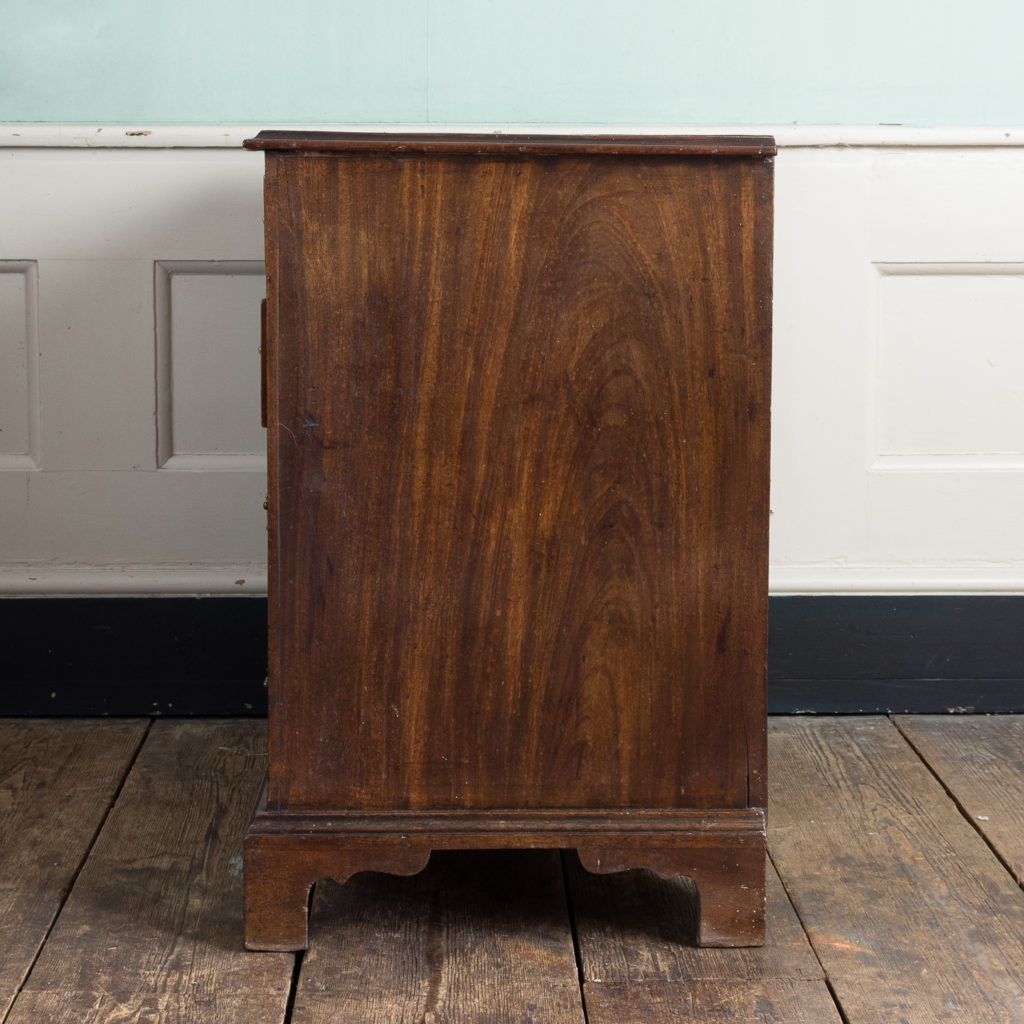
<point>916,655</point>
<point>134,656</point>
<point>188,656</point>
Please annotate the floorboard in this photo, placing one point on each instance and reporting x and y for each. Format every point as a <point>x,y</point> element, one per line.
<point>770,1001</point>
<point>891,902</point>
<point>476,937</point>
<point>911,915</point>
<point>152,930</point>
<point>58,779</point>
<point>980,760</point>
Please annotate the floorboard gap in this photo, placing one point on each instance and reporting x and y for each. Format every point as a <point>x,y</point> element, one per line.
<point>957,803</point>
<point>577,953</point>
<point>835,998</point>
<point>810,941</point>
<point>294,990</point>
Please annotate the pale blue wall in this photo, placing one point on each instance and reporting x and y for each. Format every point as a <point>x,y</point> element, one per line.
<point>484,61</point>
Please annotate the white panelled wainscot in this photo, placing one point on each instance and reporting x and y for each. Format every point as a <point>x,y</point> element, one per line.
<point>130,277</point>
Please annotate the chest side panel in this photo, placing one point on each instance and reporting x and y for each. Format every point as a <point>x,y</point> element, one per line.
<point>520,425</point>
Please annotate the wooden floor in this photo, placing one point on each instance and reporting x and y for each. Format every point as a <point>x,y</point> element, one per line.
<point>897,856</point>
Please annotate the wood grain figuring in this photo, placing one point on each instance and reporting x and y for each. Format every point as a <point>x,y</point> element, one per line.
<point>476,937</point>
<point>911,915</point>
<point>57,781</point>
<point>520,433</point>
<point>981,762</point>
<point>153,927</point>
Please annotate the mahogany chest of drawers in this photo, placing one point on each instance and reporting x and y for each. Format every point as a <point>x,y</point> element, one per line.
<point>517,398</point>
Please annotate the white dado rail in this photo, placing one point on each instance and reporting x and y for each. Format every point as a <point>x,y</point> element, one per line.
<point>130,278</point>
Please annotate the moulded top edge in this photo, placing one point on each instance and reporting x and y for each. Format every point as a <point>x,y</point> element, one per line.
<point>533,145</point>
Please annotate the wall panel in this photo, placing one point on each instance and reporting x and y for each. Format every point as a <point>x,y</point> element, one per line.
<point>19,364</point>
<point>208,381</point>
<point>949,369</point>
